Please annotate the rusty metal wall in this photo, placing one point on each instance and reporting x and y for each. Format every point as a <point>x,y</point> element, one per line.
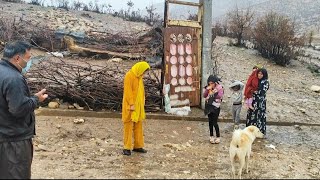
<point>182,65</point>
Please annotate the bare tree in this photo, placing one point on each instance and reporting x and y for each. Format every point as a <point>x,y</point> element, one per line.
<point>193,17</point>
<point>130,5</point>
<point>225,27</point>
<point>97,8</point>
<point>85,7</point>
<point>275,38</point>
<point>36,2</point>
<point>14,1</point>
<point>152,16</point>
<point>217,56</point>
<point>310,38</point>
<point>216,30</point>
<point>107,8</point>
<point>90,6</point>
<point>150,10</point>
<point>64,4</point>
<point>239,21</point>
<point>76,5</point>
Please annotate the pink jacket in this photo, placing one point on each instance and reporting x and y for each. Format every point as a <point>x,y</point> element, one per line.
<point>220,93</point>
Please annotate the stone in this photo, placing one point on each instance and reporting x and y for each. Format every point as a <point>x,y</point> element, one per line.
<point>188,144</point>
<point>77,106</point>
<point>115,60</point>
<point>175,147</point>
<point>78,35</point>
<point>297,127</point>
<point>78,121</point>
<point>170,155</point>
<point>64,106</point>
<point>302,110</point>
<point>43,147</point>
<point>315,88</point>
<point>53,105</point>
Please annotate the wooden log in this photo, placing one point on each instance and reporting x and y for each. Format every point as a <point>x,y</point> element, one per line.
<point>74,48</point>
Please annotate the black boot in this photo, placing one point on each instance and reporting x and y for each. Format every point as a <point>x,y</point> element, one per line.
<point>140,150</point>
<point>126,152</point>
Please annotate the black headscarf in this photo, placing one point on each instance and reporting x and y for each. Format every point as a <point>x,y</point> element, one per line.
<point>264,72</point>
<point>213,78</point>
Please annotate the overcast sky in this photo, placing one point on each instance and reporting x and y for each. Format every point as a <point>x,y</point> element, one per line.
<point>116,4</point>
<point>141,4</point>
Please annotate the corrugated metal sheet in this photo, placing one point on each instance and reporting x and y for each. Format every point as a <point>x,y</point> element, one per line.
<point>182,65</point>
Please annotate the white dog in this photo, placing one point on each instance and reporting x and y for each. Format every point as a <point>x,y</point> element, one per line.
<point>240,147</point>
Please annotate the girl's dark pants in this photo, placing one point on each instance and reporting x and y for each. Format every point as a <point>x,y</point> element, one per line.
<point>213,122</point>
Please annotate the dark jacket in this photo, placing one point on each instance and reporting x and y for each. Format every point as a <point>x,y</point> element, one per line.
<point>17,118</point>
<point>217,98</point>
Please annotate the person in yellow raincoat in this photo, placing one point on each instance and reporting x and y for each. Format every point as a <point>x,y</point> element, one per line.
<point>133,108</point>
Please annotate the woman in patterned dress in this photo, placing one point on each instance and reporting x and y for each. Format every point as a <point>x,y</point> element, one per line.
<point>257,115</point>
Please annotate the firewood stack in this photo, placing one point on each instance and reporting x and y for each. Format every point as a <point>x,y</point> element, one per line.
<point>91,86</point>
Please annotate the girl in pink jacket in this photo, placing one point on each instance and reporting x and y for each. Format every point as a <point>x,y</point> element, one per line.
<point>213,94</point>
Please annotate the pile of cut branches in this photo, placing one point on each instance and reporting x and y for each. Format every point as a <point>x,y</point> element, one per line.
<point>147,44</point>
<point>91,86</point>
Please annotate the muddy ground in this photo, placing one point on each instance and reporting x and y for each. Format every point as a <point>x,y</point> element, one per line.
<point>177,149</point>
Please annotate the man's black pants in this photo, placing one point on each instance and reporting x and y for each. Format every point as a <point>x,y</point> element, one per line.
<point>15,159</point>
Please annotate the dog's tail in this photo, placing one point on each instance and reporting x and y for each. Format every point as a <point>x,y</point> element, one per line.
<point>236,138</point>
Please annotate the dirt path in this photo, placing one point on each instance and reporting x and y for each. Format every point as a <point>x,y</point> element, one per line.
<point>177,149</point>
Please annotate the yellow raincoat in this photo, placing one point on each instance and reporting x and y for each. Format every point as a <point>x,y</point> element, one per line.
<point>134,94</point>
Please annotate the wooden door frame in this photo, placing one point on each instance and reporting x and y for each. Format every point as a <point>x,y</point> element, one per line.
<point>184,23</point>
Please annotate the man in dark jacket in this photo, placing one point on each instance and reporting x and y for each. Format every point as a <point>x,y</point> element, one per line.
<point>17,118</point>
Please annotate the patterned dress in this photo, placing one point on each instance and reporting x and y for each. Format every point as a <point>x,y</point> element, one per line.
<point>257,116</point>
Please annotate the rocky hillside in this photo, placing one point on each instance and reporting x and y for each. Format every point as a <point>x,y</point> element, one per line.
<point>305,13</point>
<point>81,22</point>
<point>46,27</point>
<point>289,99</point>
